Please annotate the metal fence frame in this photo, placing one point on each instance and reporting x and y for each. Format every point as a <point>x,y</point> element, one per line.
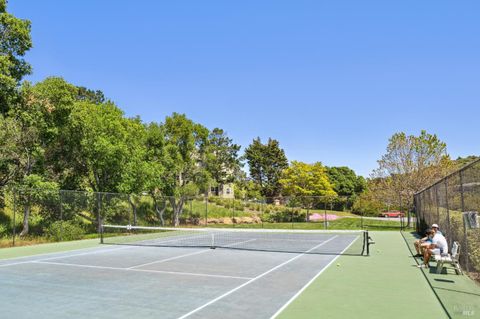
<point>444,203</point>
<point>66,205</point>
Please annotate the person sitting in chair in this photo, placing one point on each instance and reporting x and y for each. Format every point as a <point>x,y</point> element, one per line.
<point>439,246</point>
<point>436,229</point>
<point>423,243</point>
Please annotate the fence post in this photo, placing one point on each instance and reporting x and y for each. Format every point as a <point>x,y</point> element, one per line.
<point>233,212</point>
<point>465,236</point>
<point>99,223</point>
<point>361,219</point>
<point>400,206</point>
<point>437,202</point>
<point>192,218</point>
<point>14,216</point>
<point>448,210</point>
<point>206,211</point>
<point>262,211</point>
<point>61,215</point>
<point>325,215</point>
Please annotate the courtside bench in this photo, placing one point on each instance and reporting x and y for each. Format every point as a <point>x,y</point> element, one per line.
<point>451,259</point>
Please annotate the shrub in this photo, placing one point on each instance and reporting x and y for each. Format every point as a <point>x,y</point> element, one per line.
<point>64,230</point>
<point>3,231</point>
<point>282,215</point>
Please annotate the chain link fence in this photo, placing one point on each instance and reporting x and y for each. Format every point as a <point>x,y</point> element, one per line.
<point>32,216</point>
<point>445,203</point>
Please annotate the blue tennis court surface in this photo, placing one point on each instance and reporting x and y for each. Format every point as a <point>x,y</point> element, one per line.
<point>129,281</point>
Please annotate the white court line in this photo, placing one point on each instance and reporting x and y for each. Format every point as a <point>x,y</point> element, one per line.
<point>141,270</point>
<point>159,241</point>
<point>96,250</point>
<point>52,253</point>
<point>169,259</point>
<point>87,253</point>
<point>310,282</point>
<point>60,257</point>
<point>186,255</point>
<point>254,279</point>
<point>18,263</point>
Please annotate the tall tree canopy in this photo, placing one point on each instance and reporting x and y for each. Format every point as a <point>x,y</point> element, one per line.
<point>266,163</point>
<point>15,41</point>
<point>222,161</point>
<point>302,179</point>
<point>410,164</point>
<point>184,161</point>
<point>102,144</point>
<point>345,182</point>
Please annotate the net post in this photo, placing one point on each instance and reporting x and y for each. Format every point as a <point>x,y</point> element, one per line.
<point>367,238</point>
<point>212,245</point>
<point>363,243</point>
<point>366,243</point>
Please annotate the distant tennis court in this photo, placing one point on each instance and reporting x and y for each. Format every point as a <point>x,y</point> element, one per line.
<point>173,273</point>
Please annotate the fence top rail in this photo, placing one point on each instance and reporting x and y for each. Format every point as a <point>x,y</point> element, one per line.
<point>458,171</point>
<point>87,192</point>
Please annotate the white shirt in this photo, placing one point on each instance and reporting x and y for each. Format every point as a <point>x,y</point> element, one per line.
<point>440,242</point>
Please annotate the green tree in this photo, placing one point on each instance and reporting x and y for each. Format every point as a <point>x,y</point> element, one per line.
<point>34,190</point>
<point>345,182</point>
<point>266,163</point>
<point>100,136</point>
<point>15,41</point>
<point>154,171</point>
<point>245,188</point>
<point>136,170</point>
<point>88,95</point>
<point>368,203</point>
<point>410,164</point>
<point>462,161</point>
<point>55,99</point>
<point>9,150</point>
<point>184,157</point>
<point>24,127</point>
<point>222,160</point>
<point>302,179</point>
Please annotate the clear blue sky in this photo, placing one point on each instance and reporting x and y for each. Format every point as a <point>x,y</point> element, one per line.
<point>331,80</point>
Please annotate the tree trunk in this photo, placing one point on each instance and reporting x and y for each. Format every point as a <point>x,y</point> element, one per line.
<point>134,210</point>
<point>159,211</point>
<point>409,216</point>
<point>177,210</point>
<point>26,217</point>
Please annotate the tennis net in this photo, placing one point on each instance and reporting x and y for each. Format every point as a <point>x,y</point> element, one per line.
<point>348,242</point>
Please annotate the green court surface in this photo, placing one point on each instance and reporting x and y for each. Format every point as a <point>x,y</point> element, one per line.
<point>25,251</point>
<point>385,285</point>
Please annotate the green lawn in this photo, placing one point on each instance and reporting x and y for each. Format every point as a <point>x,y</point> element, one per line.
<point>213,210</point>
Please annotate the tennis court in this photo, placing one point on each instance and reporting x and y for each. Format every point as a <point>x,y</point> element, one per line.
<point>173,274</point>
